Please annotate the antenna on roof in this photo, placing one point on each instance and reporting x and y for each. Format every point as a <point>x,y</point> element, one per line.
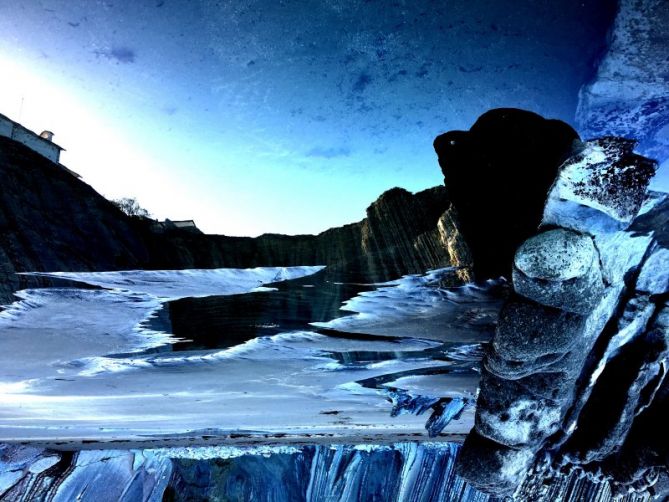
<point>21,109</point>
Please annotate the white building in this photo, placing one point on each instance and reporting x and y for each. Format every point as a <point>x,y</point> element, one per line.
<point>41,143</point>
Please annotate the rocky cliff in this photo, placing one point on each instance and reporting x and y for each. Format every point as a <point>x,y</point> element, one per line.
<point>49,220</point>
<point>407,472</point>
<point>573,382</point>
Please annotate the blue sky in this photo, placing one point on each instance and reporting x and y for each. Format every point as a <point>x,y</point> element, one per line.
<point>280,116</point>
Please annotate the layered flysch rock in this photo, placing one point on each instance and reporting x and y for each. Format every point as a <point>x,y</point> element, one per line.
<point>406,472</point>
<point>629,94</point>
<point>579,357</point>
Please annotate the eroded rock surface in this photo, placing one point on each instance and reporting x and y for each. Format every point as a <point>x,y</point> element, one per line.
<point>579,357</point>
<point>407,472</point>
<point>629,94</point>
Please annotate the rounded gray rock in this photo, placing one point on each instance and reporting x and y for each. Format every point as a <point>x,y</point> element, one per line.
<point>490,466</point>
<point>527,331</point>
<point>521,412</point>
<point>559,268</point>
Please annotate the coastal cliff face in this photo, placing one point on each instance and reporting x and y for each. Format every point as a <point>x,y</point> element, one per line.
<point>573,382</point>
<point>405,230</point>
<point>49,220</point>
<point>403,233</point>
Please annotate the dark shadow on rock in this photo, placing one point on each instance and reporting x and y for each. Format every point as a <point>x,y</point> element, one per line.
<point>498,175</point>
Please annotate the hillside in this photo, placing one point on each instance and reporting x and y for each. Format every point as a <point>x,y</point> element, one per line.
<point>50,220</point>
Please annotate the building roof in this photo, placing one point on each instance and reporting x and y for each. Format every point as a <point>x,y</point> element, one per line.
<point>16,124</point>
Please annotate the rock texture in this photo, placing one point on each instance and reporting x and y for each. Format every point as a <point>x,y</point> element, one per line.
<point>579,357</point>
<point>607,176</point>
<point>498,174</point>
<point>629,94</point>
<point>49,221</point>
<point>406,472</point>
<point>559,268</point>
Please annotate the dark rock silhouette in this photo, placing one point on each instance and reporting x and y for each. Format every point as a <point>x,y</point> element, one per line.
<point>498,175</point>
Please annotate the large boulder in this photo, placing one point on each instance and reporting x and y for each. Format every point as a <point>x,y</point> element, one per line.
<point>498,175</point>
<point>559,268</point>
<point>527,330</point>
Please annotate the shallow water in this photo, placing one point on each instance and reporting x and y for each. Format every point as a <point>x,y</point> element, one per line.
<point>217,322</point>
<point>183,357</point>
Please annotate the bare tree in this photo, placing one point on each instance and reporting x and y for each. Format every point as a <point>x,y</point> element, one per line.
<point>131,207</point>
